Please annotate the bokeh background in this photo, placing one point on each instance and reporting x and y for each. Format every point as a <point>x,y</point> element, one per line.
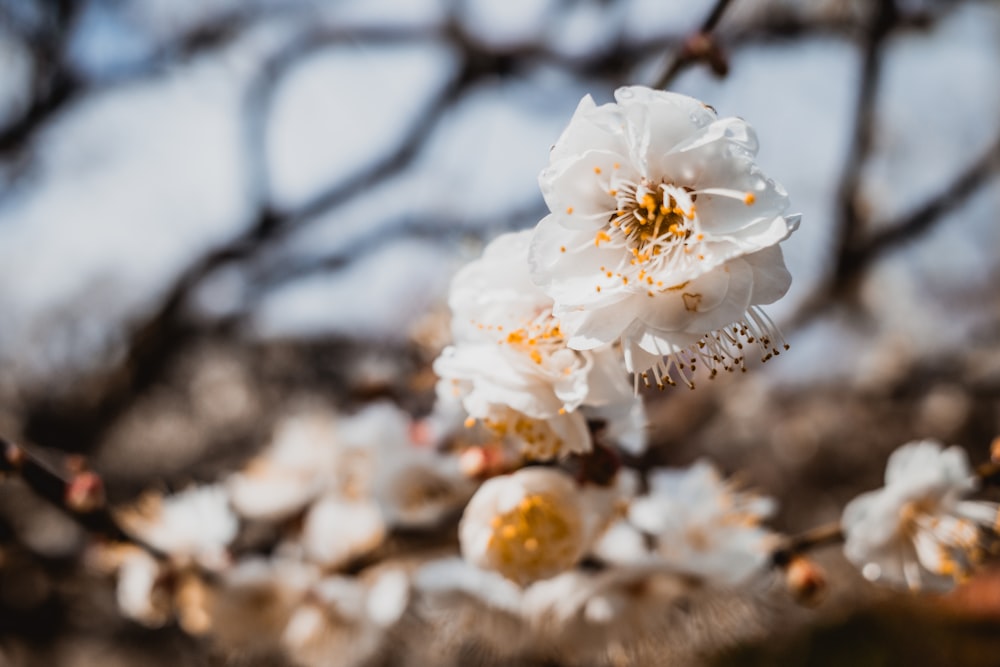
<point>214,210</point>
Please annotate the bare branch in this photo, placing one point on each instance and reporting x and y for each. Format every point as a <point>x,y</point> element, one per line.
<point>698,47</point>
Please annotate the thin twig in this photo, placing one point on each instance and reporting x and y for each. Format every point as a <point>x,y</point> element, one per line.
<point>699,46</point>
<point>813,538</point>
<point>851,220</point>
<point>909,228</point>
<point>65,482</point>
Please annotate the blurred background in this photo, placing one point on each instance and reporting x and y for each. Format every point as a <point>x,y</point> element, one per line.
<point>212,210</point>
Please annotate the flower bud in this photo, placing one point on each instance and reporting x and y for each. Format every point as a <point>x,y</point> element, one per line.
<point>806,581</point>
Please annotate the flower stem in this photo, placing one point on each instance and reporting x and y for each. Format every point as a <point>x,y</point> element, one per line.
<point>794,545</point>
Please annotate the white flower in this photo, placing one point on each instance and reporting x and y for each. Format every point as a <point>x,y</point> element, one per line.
<point>343,620</point>
<point>254,599</point>
<point>294,469</point>
<point>527,526</point>
<point>699,524</point>
<point>141,593</point>
<point>663,233</point>
<point>337,529</point>
<point>510,365</point>
<point>421,489</point>
<point>916,530</point>
<point>194,524</point>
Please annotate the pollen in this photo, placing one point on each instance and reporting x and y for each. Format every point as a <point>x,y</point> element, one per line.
<point>749,199</point>
<point>601,237</point>
<point>470,422</point>
<point>538,538</point>
<point>569,210</point>
<point>616,165</point>
<point>562,248</point>
<point>597,170</point>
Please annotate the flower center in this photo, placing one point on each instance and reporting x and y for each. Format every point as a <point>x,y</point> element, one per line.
<point>538,440</point>
<point>536,539</point>
<point>540,336</point>
<point>653,223</point>
<point>653,219</point>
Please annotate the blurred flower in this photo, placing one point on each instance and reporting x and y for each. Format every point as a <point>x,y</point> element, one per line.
<point>196,524</point>
<point>141,594</point>
<point>510,365</point>
<point>297,465</point>
<point>252,602</point>
<point>699,524</point>
<point>663,233</point>
<point>337,530</point>
<point>527,526</point>
<point>352,477</point>
<point>343,619</point>
<point>917,531</point>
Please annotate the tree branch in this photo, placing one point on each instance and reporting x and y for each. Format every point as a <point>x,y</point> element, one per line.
<point>699,46</point>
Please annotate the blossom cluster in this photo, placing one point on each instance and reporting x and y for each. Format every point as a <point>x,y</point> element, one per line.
<point>661,247</point>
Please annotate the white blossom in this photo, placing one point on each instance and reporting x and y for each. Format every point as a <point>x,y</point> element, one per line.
<point>510,365</point>
<point>140,593</point>
<point>337,530</point>
<point>527,526</point>
<point>700,525</point>
<point>917,530</point>
<point>343,620</point>
<point>663,233</point>
<point>295,468</point>
<point>193,524</point>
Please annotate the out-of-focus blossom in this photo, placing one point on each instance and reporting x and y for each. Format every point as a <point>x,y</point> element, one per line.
<point>252,602</point>
<point>510,365</point>
<point>336,530</point>
<point>421,490</point>
<point>527,526</point>
<point>700,526</point>
<point>343,620</point>
<point>352,478</point>
<point>663,234</point>
<point>141,594</point>
<point>917,531</point>
<point>196,524</point>
<point>295,468</point>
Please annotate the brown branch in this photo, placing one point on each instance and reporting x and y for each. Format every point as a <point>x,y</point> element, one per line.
<point>908,228</point>
<point>851,220</point>
<point>923,219</point>
<point>813,538</point>
<point>157,342</point>
<point>65,482</point>
<point>698,47</point>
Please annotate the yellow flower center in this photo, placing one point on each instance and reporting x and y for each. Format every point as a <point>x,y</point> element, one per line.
<point>537,539</point>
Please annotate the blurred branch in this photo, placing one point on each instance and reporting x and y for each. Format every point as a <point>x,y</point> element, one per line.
<point>439,229</point>
<point>814,538</point>
<point>856,258</point>
<point>58,86</point>
<point>65,482</point>
<point>851,220</point>
<point>700,46</point>
<point>923,219</point>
